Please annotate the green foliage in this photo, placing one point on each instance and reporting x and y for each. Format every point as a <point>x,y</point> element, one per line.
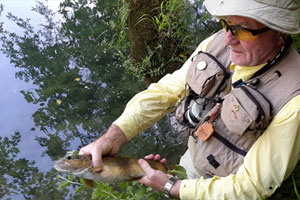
<point>178,26</point>
<point>288,189</point>
<point>141,70</point>
<point>296,41</point>
<point>179,172</point>
<point>167,21</point>
<point>171,20</point>
<point>296,38</point>
<point>295,188</point>
<point>122,191</point>
<point>120,40</point>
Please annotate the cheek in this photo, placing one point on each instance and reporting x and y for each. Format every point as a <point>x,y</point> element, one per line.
<point>253,51</point>
<point>246,55</point>
<point>249,51</point>
<point>261,50</point>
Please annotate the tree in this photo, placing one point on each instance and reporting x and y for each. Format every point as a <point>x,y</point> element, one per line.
<point>162,35</point>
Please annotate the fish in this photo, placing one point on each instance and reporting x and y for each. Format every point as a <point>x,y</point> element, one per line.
<point>114,169</point>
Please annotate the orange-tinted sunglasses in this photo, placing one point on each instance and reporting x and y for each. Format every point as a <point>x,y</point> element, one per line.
<point>243,34</point>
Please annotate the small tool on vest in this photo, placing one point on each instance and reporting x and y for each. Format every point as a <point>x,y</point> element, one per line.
<point>206,129</point>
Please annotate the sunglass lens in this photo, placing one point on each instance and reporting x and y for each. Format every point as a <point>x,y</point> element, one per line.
<point>240,34</point>
<point>245,36</point>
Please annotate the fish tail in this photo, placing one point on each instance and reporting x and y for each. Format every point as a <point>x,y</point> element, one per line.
<point>171,167</point>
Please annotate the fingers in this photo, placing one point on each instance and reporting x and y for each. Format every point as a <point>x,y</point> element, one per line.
<point>164,161</point>
<point>150,157</point>
<point>155,157</point>
<point>107,144</point>
<point>95,153</point>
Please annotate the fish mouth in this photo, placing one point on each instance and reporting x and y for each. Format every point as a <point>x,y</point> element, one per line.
<point>57,167</point>
<point>66,168</point>
<point>61,167</point>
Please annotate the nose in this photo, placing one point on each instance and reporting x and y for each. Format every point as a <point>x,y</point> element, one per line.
<point>230,39</point>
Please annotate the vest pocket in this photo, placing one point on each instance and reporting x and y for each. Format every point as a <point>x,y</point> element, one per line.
<point>244,108</point>
<point>214,158</point>
<point>206,75</point>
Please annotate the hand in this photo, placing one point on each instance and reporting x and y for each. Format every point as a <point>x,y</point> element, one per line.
<point>108,144</point>
<point>156,178</point>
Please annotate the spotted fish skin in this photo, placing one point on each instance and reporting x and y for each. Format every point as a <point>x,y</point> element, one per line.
<point>113,170</point>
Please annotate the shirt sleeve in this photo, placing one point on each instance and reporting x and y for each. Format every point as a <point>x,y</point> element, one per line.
<point>270,160</point>
<point>150,105</point>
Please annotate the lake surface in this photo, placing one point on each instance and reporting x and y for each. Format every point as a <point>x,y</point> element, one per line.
<point>60,91</point>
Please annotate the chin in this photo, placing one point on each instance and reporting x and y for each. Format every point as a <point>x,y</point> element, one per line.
<point>239,60</point>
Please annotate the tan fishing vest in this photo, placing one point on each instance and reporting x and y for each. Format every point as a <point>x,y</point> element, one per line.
<point>224,123</point>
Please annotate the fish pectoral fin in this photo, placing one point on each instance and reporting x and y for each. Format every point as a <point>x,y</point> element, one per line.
<point>96,169</point>
<point>136,178</point>
<point>89,183</point>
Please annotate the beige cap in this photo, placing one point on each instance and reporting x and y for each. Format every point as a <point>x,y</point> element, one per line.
<point>279,15</point>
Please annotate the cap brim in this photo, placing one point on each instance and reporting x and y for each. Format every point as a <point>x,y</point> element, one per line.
<point>265,14</point>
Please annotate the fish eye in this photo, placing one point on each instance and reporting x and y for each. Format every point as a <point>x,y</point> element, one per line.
<point>69,157</point>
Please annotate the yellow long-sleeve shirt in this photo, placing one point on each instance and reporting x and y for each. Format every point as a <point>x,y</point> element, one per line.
<point>269,161</point>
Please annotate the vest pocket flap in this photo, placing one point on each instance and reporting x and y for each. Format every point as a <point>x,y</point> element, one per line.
<point>205,75</point>
<point>245,108</point>
<point>234,115</point>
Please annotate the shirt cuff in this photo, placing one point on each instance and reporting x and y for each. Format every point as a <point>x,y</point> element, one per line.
<point>128,131</point>
<point>188,188</point>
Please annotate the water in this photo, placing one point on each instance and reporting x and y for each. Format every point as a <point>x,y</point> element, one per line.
<point>59,92</point>
<point>15,111</point>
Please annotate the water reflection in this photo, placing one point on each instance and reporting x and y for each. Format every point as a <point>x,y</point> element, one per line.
<point>79,89</point>
<point>79,85</point>
<point>19,176</point>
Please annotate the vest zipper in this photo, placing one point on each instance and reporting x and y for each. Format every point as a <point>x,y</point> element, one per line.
<point>261,111</point>
<point>229,144</point>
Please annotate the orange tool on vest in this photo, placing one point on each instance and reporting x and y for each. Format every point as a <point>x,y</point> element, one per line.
<point>206,129</point>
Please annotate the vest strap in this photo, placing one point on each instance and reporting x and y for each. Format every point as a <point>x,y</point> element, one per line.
<point>229,144</point>
<point>276,59</point>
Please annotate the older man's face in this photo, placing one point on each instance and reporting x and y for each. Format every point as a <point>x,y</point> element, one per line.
<point>254,52</point>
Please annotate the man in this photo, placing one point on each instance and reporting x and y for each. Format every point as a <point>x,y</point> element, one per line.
<point>248,141</point>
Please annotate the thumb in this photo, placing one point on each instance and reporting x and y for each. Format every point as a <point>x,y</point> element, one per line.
<point>97,161</point>
<point>145,166</point>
